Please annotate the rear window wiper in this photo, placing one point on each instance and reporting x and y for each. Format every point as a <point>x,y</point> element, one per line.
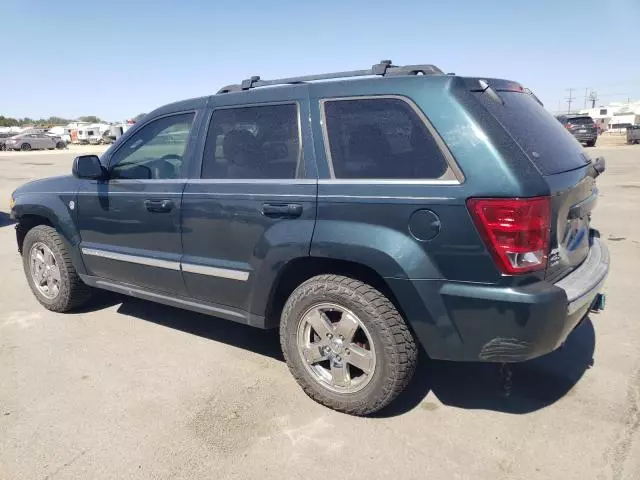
<point>488,89</point>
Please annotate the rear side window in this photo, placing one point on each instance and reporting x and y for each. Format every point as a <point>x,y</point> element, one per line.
<point>380,138</point>
<point>260,142</point>
<point>542,137</point>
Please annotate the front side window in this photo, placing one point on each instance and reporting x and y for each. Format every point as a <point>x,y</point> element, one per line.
<point>381,138</point>
<point>258,142</point>
<point>155,151</point>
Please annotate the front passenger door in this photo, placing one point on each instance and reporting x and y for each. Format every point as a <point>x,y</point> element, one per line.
<point>130,224</point>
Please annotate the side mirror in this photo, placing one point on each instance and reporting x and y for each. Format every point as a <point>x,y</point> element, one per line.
<point>598,167</point>
<point>88,167</point>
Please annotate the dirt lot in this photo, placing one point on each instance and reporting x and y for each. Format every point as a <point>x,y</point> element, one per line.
<point>129,389</point>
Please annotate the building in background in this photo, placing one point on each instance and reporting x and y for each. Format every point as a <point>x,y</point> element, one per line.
<point>615,117</point>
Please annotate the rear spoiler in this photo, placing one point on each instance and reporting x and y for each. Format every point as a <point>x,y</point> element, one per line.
<point>491,86</point>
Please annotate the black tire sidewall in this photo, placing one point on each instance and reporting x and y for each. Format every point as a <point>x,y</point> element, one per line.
<point>45,235</point>
<point>366,314</point>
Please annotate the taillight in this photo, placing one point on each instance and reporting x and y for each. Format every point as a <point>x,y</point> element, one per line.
<point>568,125</point>
<point>515,230</point>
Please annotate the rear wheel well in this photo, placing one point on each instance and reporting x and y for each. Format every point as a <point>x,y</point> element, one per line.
<point>26,223</point>
<point>300,270</point>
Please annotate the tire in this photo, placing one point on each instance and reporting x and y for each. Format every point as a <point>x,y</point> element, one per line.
<point>591,144</point>
<point>25,147</point>
<point>390,346</point>
<point>60,145</point>
<point>72,291</point>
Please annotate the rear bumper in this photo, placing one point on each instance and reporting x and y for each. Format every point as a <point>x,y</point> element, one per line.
<point>586,137</point>
<point>472,322</point>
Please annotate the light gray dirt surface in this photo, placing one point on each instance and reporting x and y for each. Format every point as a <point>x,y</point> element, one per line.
<point>129,389</point>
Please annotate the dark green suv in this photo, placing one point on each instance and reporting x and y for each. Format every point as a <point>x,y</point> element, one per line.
<point>361,213</point>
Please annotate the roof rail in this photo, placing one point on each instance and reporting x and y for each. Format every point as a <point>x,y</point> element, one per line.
<point>384,69</point>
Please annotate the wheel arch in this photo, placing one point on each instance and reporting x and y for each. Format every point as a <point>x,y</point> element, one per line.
<point>42,210</point>
<point>26,223</point>
<point>299,270</point>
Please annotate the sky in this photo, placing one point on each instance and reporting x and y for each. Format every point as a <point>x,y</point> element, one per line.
<point>118,58</point>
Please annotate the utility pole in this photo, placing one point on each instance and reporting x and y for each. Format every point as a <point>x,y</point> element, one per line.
<point>569,100</point>
<point>593,98</point>
<point>586,92</point>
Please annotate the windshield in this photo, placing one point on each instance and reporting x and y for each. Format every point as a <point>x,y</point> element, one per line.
<point>547,143</point>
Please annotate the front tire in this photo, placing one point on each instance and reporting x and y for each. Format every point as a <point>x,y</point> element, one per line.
<point>346,344</point>
<point>50,271</point>
<point>25,147</point>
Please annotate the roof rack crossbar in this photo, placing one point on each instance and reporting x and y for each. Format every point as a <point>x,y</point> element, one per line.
<point>384,68</point>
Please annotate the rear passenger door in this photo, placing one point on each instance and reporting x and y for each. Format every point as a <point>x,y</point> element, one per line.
<point>253,208</point>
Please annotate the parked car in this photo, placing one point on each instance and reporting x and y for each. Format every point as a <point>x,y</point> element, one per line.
<point>3,139</point>
<point>633,134</point>
<point>362,218</point>
<point>61,140</point>
<point>31,141</point>
<point>104,139</point>
<point>582,127</point>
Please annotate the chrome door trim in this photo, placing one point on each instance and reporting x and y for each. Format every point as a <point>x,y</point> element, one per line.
<point>231,274</point>
<point>123,257</point>
<point>240,275</point>
<point>382,181</point>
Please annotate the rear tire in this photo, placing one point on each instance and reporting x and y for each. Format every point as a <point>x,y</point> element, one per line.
<point>25,147</point>
<point>65,293</point>
<point>591,144</point>
<point>377,341</point>
<point>60,145</point>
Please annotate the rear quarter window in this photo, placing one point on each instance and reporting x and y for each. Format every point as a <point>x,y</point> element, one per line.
<point>381,138</point>
<point>541,136</point>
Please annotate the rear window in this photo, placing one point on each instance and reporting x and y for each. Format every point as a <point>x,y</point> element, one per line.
<point>580,120</point>
<point>545,140</point>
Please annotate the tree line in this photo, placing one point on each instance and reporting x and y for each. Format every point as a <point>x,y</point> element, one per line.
<point>19,122</point>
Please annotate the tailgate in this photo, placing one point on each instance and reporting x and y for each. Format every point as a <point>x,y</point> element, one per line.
<point>562,162</point>
<point>573,197</point>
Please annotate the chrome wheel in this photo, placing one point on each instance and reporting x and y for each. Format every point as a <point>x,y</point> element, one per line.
<point>44,270</point>
<point>336,348</point>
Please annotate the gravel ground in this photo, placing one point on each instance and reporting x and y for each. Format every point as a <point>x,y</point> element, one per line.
<point>130,389</point>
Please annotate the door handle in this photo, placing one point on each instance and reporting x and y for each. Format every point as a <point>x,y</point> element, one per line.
<point>159,206</point>
<point>290,210</point>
